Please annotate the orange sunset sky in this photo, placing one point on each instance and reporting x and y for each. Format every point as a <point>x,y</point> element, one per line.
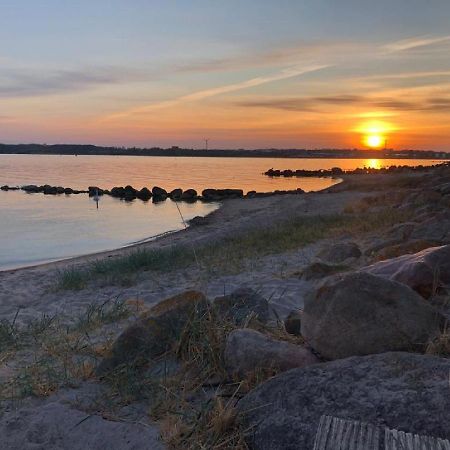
<point>253,74</point>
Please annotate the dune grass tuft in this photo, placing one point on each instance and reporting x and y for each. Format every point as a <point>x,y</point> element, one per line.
<point>230,253</point>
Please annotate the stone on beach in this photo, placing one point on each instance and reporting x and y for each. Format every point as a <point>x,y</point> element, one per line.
<point>404,391</point>
<point>293,322</point>
<point>362,314</point>
<point>242,304</point>
<point>155,331</point>
<point>425,271</point>
<point>340,252</point>
<point>248,350</point>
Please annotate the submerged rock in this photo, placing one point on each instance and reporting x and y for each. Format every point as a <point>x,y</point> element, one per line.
<point>159,193</point>
<point>248,350</point>
<point>189,195</point>
<point>144,194</point>
<point>404,391</point>
<point>241,304</point>
<point>176,194</point>
<point>155,331</point>
<point>425,272</point>
<point>362,314</point>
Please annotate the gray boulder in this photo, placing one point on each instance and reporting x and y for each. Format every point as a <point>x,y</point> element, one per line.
<point>403,391</point>
<point>340,252</point>
<point>436,229</point>
<point>156,331</point>
<point>425,271</point>
<point>362,314</point>
<point>241,304</point>
<point>248,350</point>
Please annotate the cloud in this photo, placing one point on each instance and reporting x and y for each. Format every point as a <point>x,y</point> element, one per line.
<point>416,42</point>
<point>201,95</point>
<point>315,104</point>
<point>20,83</point>
<point>285,55</point>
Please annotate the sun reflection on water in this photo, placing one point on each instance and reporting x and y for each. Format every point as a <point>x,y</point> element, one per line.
<point>373,164</point>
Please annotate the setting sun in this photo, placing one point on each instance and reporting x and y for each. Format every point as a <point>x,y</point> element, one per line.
<point>374,141</point>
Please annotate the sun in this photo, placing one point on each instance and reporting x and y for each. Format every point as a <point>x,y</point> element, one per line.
<point>374,140</point>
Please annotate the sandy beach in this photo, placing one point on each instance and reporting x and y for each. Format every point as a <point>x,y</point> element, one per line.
<point>36,293</point>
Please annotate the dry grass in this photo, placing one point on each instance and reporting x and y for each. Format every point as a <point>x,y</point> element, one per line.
<point>230,254</point>
<point>194,405</point>
<point>55,352</point>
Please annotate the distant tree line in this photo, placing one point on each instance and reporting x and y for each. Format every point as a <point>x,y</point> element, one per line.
<point>72,149</point>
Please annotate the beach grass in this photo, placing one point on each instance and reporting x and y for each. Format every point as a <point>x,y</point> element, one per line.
<point>230,253</point>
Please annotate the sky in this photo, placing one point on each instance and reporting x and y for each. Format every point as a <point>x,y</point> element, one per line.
<point>243,74</point>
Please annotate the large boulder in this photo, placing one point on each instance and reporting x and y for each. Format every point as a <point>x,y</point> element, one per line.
<point>362,314</point>
<point>340,252</point>
<point>403,391</point>
<point>248,350</point>
<point>241,304</point>
<point>435,229</point>
<point>155,331</point>
<point>425,271</point>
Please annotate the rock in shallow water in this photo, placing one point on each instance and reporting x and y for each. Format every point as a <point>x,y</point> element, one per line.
<point>363,314</point>
<point>248,350</point>
<point>404,391</point>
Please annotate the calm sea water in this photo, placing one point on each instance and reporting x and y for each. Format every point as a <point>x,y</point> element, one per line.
<point>35,228</point>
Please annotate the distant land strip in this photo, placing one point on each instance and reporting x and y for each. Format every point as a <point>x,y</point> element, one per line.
<point>75,149</point>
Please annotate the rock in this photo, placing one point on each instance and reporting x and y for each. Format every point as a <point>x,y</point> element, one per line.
<point>293,322</point>
<point>159,193</point>
<point>210,194</point>
<point>410,246</point>
<point>31,188</point>
<point>241,304</point>
<point>425,271</point>
<point>56,425</point>
<point>68,191</point>
<point>320,270</point>
<point>403,391</point>
<point>362,314</point>
<point>117,191</point>
<point>190,194</point>
<point>95,190</point>
<point>144,194</point>
<point>49,190</point>
<point>155,331</point>
<point>401,231</point>
<point>436,229</point>
<point>176,194</point>
<point>248,350</point>
<point>339,252</point>
<point>198,221</point>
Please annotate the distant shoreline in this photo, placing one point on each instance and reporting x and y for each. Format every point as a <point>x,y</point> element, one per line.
<point>93,150</point>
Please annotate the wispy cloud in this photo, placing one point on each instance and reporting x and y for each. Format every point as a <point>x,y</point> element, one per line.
<point>22,83</point>
<point>316,104</point>
<point>206,93</point>
<point>416,42</point>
